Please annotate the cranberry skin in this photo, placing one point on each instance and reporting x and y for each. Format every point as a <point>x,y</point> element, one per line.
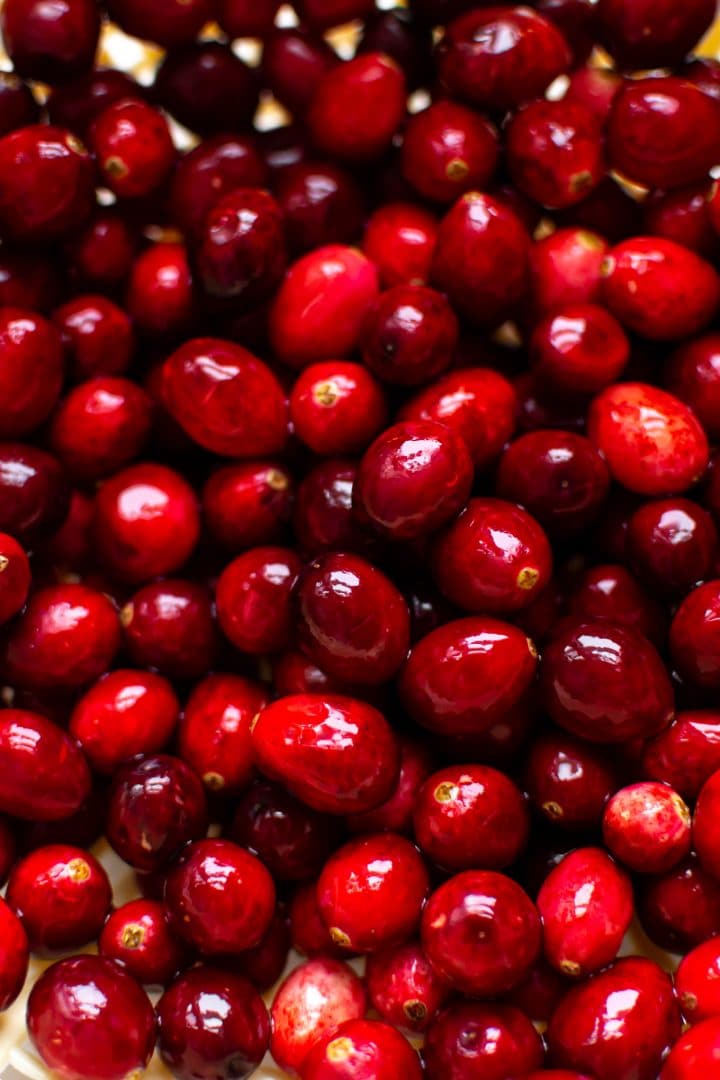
<point>400,240</point>
<point>352,621</point>
<point>493,558</point>
<point>414,478</point>
<point>133,148</point>
<point>301,740</point>
<point>264,964</point>
<point>579,349</point>
<point>253,599</point>
<point>672,544</point>
<point>323,519</point>
<point>327,293</point>
<point>14,950</point>
<point>46,184</point>
<point>31,370</point>
<point>682,215</point>
<point>214,734</point>
<point>595,89</point>
<point>466,675</point>
<point>15,577</point>
<point>396,813</point>
<point>481,932</point>
<point>696,982</point>
<point>692,373</point>
<point>44,775</point>
<point>362,1050</point>
<point>292,840</point>
<point>651,441</point>
<point>241,247</point>
<point>555,152</point>
<point>566,269</point>
<point>241,19</point>
<point>704,829</point>
<point>470,817</point>
<point>62,896</point>
<point>160,291</point>
<point>477,235</point>
<point>146,522</point>
<point>605,683</point>
<point>618,1024</point>
<point>681,908</point>
<point>313,1001</point>
<point>294,62</point>
<point>488,1042</point>
<point>649,34</point>
<point>310,936</point>
<point>28,280</point>
<point>694,642</point>
<point>357,108</point>
<point>207,88</point>
<point>409,336</point>
<point>138,938</point>
<point>320,204</point>
<point>97,335</point>
<point>50,44</point>
<point>694,1052</point>
<point>220,898</point>
<point>101,426</point>
<point>686,753</point>
<point>448,150</point>
<point>168,23</point>
<point>247,504</point>
<point>18,107</point>
<point>647,827</point>
<point>208,173</point>
<point>403,988</point>
<point>226,399</point>
<point>337,407</point>
<point>169,625</point>
<point>568,781</point>
<point>75,104</point>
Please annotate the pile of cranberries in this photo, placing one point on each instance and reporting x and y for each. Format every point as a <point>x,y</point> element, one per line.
<point>360,538</point>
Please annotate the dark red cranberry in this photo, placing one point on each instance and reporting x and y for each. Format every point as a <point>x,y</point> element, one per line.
<point>242,18</point>
<point>8,848</point>
<point>398,34</point>
<point>133,148</point>
<point>694,638</point>
<point>409,336</point>
<point>566,269</point>
<point>576,19</point>
<point>692,373</point>
<point>294,62</point>
<point>300,740</point>
<point>209,172</point>
<point>247,504</point>
<point>207,88</point>
<point>101,252</point>
<point>169,625</point>
<point>253,599</point>
<point>703,71</point>
<point>538,997</point>
<point>28,280</point>
<point>362,1050</point>
<point>681,908</point>
<point>138,938</point>
<point>580,348</point>
<point>320,203</point>
<point>31,371</point>
<point>220,898</point>
<point>76,104</point>
<point>293,673</point>
<point>337,407</point>
<point>34,492</point>
<point>555,152</point>
<point>403,987</point>
<point>168,23</point>
<point>682,215</point>
<point>651,34</point>
<point>160,291</point>
<point>241,247</point>
<point>50,43</point>
<point>595,88</point>
<point>686,753</point>
<point>472,1040</point>
<point>396,813</point>
<point>18,107</point>
<point>400,240</point>
<point>569,781</point>
<point>448,150</point>
<point>86,1009</point>
<point>647,827</point>
<point>618,1023</point>
<point>97,335</point>
<point>101,426</point>
<point>323,519</point>
<point>44,776</point>
<point>265,962</point>
<point>671,544</point>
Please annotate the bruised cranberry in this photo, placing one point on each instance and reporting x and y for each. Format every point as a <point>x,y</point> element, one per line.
<point>409,335</point>
<point>694,1052</point>
<point>337,407</point>
<point>617,1024</point>
<point>138,938</point>
<point>481,932</point>
<point>448,150</point>
<point>253,599</point>
<point>169,625</point>
<point>97,335</point>
<point>396,813</point>
<point>692,373</point>
<point>101,426</point>
<point>86,1009</point>
<point>362,1050</point>
<point>247,504</point>
<point>241,248</point>
<point>568,781</point>
<point>400,240</point>
<point>579,349</point>
<point>313,1001</point>
<point>133,148</point>
<point>160,291</point>
<point>50,43</point>
<point>471,1040</point>
<point>671,543</point>
<point>686,753</point>
<point>294,62</point>
<point>301,740</point>
<point>648,34</point>
<point>14,577</point>
<point>44,776</point>
<point>220,898</point>
<point>680,908</point>
<point>694,639</point>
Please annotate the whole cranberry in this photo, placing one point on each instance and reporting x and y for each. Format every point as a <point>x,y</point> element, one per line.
<point>409,335</point>
<point>671,543</point>
<point>313,1001</point>
<point>327,293</point>
<point>294,61</point>
<point>396,813</point>
<point>650,34</point>
<point>321,204</point>
<point>241,18</point>
<point>605,683</point>
<point>101,426</point>
<point>293,673</point>
<point>692,373</point>
<point>28,279</point>
<point>169,625</point>
<point>580,349</point>
<point>207,88</point>
<point>253,599</point>
<point>62,896</point>
<point>400,240</point>
<point>680,908</point>
<point>214,733</point>
<point>555,152</point>
<point>265,962</point>
<point>18,106</point>
<point>337,407</point>
<point>466,675</point>
<point>160,295</point>
<point>14,950</point>
<point>704,832</point>
<point>43,774</point>
<point>500,57</point>
<point>210,171</point>
<point>403,987</point>
<point>86,1009</point>
<point>241,248</point>
<point>46,184</point>
<point>481,259</point>
<point>399,33</point>
<point>75,104</point>
<point>31,371</point>
<point>617,1024</point>
<point>168,22</point>
<point>138,938</point>
<point>488,1042</point>
<point>15,577</point>
<point>647,827</point>
<point>301,740</point>
<point>683,215</point>
<point>566,269</point>
<point>323,518</point>
<point>569,781</point>
<point>481,932</point>
<point>226,399</point>
<point>694,639</point>
<point>539,995</point>
<point>362,1050</point>
<point>133,148</point>
<point>247,504</point>
<point>694,1052</point>
<point>220,899</point>
<point>50,43</point>
<point>686,753</point>
<point>651,441</point>
<point>595,88</point>
<point>448,150</point>
<point>696,982</point>
<point>97,335</point>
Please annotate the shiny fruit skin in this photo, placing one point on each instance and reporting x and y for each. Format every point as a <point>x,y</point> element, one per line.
<point>44,776</point>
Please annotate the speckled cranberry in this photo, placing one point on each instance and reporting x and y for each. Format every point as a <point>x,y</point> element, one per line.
<point>569,781</point>
<point>448,150</point>
<point>686,753</point>
<point>337,407</point>
<point>253,599</point>
<point>647,827</point>
<point>169,625</point>
<point>470,1041</point>
<point>362,1050</point>
<point>400,240</point>
<point>138,938</point>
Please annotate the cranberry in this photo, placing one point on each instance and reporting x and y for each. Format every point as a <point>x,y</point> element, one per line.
<point>471,1040</point>
<point>362,1050</point>
<point>210,171</point>
<point>694,1052</point>
<point>226,399</point>
<point>672,544</point>
<point>86,1009</point>
<point>241,19</point>
<point>253,599</point>
<point>169,625</point>
<point>76,104</point>
<point>539,995</point>
<point>696,982</point>
<point>301,740</point>
<point>398,34</point>
<point>18,107</point>
<point>220,898</point>
<point>648,34</point>
<point>686,753</point>
<point>160,291</point>
<point>97,334</point>
<point>247,504</point>
<point>44,775</point>
<point>168,23</point>
<point>704,831</point>
<point>294,62</point>
<point>323,519</point>
<point>396,813</point>
<point>241,248</point>
<point>313,1001</point>
<point>555,152</point>
<point>52,43</point>
<point>207,88</point>
<point>27,280</point>
<point>101,426</point>
<point>31,371</point>
<point>403,987</point>
<point>617,1024</point>
<point>692,373</point>
<point>265,962</point>
<point>13,956</point>
<point>595,88</point>
<point>682,215</point>
<point>611,593</point>
<point>681,908</point>
<point>138,938</point>
<point>703,71</point>
<point>14,577</point>
<point>448,150</point>
<point>321,204</point>
<point>400,240</point>
<point>579,349</point>
<point>409,335</point>
<point>693,636</point>
<point>568,781</point>
<point>337,407</point>
<point>566,269</point>
<point>328,293</point>
<point>133,147</point>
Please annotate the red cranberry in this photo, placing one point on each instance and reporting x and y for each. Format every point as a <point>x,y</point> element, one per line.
<point>44,776</point>
<point>618,1023</point>
<point>101,426</point>
<point>448,150</point>
<point>300,740</point>
<point>595,88</point>
<point>321,204</point>
<point>50,43</point>
<point>31,371</point>
<point>651,34</point>
<point>566,269</point>
<point>160,291</point>
<point>579,349</point>
<point>647,827</point>
<point>703,71</point>
<point>488,1042</point>
<point>226,399</point>
<point>328,293</point>
<point>247,504</point>
<point>403,987</point>
<point>672,544</point>
<point>138,938</point>
<point>18,107</point>
<point>97,335</point>
<point>310,936</point>
<point>207,88</point>
<point>313,1001</point>
<point>323,519</point>
<point>241,247</point>
<point>241,18</point>
<point>682,215</point>
<point>694,1053</point>
<point>611,593</point>
<point>704,825</point>
<point>133,148</point>
<point>696,982</point>
<point>409,335</point>
<point>681,908</point>
<point>76,104</point>
<point>86,1009</point>
<point>209,172</point>
<point>293,673</point>
<point>568,781</point>
<point>686,753</point>
<point>13,956</point>
<point>396,813</point>
<point>337,407</point>
<point>694,640</point>
<point>539,995</point>
<point>220,898</point>
<point>294,62</point>
<point>28,280</point>
<point>168,22</point>
<point>14,577</point>
<point>400,240</point>
<point>265,962</point>
<point>253,599</point>
<point>398,34</point>
<point>169,625</point>
<point>692,373</point>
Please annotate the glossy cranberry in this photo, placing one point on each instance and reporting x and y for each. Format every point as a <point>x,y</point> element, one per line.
<point>703,71</point>
<point>34,492</point>
<point>160,291</point>
<point>226,399</point>
<point>481,932</point>
<point>681,908</point>
<point>605,683</point>
<point>265,962</point>
<point>692,373</point>
<point>320,203</point>
<point>294,62</point>
<point>46,184</point>
<point>300,740</point>
<point>97,335</point>
<point>448,150</point>
<point>14,577</point>
<point>409,335</point>
<point>310,936</point>
<point>579,349</point>
<point>62,896</point>
<point>538,996</point>
<point>209,172</point>
<point>253,599</point>
<point>337,407</point>
<point>686,753</point>
<point>649,34</point>
<point>14,950</point>
<point>695,1052</point>
<point>568,781</point>
<point>292,840</point>
<point>241,247</point>
<point>696,982</point>
<point>169,625</point>
<point>247,504</point>
<point>323,519</point>
<point>398,34</point>
<point>18,107</point>
<point>101,426</point>
<point>328,293</point>
<point>566,269</point>
<point>478,235</point>
<point>214,733</point>
<point>87,1009</point>
<point>313,1001</point>
<point>595,88</point>
<point>31,370</point>
<point>471,1040</point>
<point>647,827</point>
<point>617,1024</point>
<point>293,673</point>
<point>400,240</point>
<point>652,442</point>
<point>403,987</point>
<point>362,1050</point>
<point>694,641</point>
<point>555,152</point>
<point>44,776</point>
<point>671,543</point>
<point>50,43</point>
<point>138,938</point>
<point>75,104</point>
<point>682,215</point>
<point>704,829</point>
<point>133,148</point>
<point>396,813</point>
<point>220,898</point>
